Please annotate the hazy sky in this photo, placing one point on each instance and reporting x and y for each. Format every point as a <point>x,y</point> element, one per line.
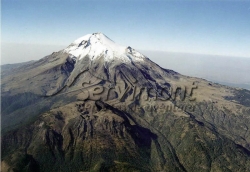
<point>223,69</point>
<point>207,27</point>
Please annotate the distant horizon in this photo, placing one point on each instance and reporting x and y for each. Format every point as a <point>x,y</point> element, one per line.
<point>44,51</point>
<point>190,64</point>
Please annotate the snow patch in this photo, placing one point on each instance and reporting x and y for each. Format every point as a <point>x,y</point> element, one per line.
<point>97,44</point>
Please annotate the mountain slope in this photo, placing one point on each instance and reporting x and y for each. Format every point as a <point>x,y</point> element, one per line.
<point>99,106</point>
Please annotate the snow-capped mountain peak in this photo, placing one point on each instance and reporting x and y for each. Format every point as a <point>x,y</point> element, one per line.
<point>97,44</point>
